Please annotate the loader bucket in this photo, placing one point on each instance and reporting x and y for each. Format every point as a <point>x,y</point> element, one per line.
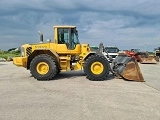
<point>127,68</point>
<point>147,60</point>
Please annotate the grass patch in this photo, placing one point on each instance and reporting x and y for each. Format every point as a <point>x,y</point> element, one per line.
<point>6,54</point>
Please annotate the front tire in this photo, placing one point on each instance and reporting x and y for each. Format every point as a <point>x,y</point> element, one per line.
<point>43,67</point>
<point>96,68</point>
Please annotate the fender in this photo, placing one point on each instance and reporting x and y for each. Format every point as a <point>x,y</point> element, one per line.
<point>42,51</point>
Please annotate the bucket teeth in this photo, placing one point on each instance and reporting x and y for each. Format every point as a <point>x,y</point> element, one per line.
<point>127,68</point>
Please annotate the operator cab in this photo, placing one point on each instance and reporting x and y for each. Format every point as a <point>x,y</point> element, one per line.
<point>68,36</point>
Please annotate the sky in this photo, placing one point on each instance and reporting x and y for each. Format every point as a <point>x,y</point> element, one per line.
<point>126,24</point>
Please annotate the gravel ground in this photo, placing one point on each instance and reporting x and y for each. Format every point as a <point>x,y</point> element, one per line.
<point>72,97</point>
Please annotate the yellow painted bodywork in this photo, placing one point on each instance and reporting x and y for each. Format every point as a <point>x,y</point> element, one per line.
<point>85,50</point>
<point>62,53</point>
<point>65,62</point>
<point>20,61</point>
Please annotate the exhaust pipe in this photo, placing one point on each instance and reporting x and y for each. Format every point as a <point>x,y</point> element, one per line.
<point>41,36</point>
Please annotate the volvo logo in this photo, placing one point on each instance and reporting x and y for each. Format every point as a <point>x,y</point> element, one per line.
<point>40,46</point>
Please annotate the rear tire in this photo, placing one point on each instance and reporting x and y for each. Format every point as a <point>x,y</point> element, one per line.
<point>43,67</point>
<point>96,68</point>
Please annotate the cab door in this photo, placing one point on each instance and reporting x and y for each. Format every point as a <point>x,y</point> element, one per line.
<point>67,41</point>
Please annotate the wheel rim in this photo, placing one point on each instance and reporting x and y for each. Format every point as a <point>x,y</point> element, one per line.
<point>42,68</point>
<point>97,68</point>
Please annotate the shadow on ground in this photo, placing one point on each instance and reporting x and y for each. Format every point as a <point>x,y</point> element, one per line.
<point>76,74</point>
<point>69,74</point>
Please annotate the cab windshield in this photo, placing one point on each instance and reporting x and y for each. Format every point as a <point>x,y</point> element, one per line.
<point>74,36</point>
<point>112,49</point>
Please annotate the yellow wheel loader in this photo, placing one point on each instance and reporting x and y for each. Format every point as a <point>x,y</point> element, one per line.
<point>46,59</point>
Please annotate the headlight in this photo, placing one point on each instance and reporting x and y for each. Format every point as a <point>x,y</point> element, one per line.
<point>22,52</point>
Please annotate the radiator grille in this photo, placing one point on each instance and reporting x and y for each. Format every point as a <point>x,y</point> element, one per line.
<point>28,51</point>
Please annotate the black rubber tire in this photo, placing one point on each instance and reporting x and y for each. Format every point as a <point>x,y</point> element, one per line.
<point>87,68</point>
<point>53,68</point>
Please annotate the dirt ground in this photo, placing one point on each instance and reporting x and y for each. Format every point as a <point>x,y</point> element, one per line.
<point>73,97</point>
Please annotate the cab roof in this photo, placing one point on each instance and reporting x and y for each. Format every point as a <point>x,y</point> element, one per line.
<point>65,26</point>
